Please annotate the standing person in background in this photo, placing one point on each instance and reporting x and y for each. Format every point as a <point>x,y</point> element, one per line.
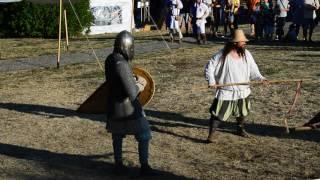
<point>297,8</point>
<point>228,18</point>
<point>231,16</point>
<point>258,26</point>
<point>173,17</point>
<point>268,19</point>
<point>309,14</point>
<point>185,15</point>
<point>125,115</point>
<point>235,12</point>
<point>252,8</point>
<point>210,17</point>
<point>199,13</point>
<point>281,9</point>
<point>232,64</point>
<point>218,9</point>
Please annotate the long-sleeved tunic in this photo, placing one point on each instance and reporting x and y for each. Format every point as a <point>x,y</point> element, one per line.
<point>229,70</point>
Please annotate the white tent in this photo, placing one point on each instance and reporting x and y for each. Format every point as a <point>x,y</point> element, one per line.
<point>9,1</point>
<point>111,16</point>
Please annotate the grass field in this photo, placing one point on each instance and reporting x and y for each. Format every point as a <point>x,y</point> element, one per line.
<point>42,137</point>
<point>32,47</point>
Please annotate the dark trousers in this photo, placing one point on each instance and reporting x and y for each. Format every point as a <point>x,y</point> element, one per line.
<point>279,28</point>
<point>143,146</point>
<point>218,18</point>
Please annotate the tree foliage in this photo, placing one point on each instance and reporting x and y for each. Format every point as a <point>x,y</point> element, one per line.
<point>25,19</point>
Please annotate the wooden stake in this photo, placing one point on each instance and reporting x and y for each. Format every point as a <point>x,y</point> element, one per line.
<point>66,28</point>
<point>59,41</point>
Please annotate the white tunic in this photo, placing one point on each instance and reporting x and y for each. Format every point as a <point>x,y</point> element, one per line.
<point>232,71</point>
<point>201,12</point>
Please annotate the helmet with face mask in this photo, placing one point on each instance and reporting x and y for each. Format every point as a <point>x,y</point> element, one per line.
<point>124,45</point>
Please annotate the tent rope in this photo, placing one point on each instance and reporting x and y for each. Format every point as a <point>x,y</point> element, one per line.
<point>158,30</point>
<point>94,53</point>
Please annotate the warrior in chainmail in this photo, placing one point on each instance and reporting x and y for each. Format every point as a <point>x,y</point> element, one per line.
<point>125,115</point>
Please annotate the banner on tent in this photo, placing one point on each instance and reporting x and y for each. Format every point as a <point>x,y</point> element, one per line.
<point>110,16</point>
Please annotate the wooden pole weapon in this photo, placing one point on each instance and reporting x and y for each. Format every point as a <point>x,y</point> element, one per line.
<point>295,99</point>
<point>261,82</point>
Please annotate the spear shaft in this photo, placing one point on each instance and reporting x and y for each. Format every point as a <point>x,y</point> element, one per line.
<point>261,82</point>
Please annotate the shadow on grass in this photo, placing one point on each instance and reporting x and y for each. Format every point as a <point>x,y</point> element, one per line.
<point>72,166</point>
<point>309,55</point>
<point>178,118</point>
<point>272,131</point>
<point>169,119</point>
<point>313,61</point>
<point>195,140</point>
<point>49,111</point>
<point>228,127</point>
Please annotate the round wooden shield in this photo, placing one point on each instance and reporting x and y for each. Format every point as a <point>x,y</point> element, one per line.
<point>96,103</point>
<point>146,95</point>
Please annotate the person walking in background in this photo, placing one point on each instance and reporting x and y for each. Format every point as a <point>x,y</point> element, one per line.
<point>232,64</point>
<point>174,7</point>
<point>125,115</point>
<point>281,9</point>
<point>199,13</point>
<point>309,15</point>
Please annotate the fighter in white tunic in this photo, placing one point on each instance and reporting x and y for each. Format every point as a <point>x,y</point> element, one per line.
<point>233,64</point>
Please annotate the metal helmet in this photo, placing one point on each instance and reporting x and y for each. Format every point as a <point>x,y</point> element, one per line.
<point>124,45</point>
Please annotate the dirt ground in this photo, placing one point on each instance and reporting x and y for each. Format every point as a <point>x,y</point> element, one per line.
<point>42,137</point>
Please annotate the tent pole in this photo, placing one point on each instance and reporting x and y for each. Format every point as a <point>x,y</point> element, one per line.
<point>66,27</point>
<point>59,41</point>
<point>132,18</point>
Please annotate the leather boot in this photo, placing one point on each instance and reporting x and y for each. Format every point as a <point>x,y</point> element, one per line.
<point>213,125</point>
<point>241,131</point>
<point>171,36</point>
<point>204,38</point>
<point>119,168</point>
<point>146,170</point>
<point>199,38</point>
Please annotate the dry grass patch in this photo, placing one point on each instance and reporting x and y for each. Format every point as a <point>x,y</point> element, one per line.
<point>43,137</point>
<point>32,47</point>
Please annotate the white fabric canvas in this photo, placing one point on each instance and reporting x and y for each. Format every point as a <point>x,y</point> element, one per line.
<point>111,16</point>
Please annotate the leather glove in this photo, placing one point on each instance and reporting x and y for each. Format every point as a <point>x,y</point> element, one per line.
<point>141,83</point>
